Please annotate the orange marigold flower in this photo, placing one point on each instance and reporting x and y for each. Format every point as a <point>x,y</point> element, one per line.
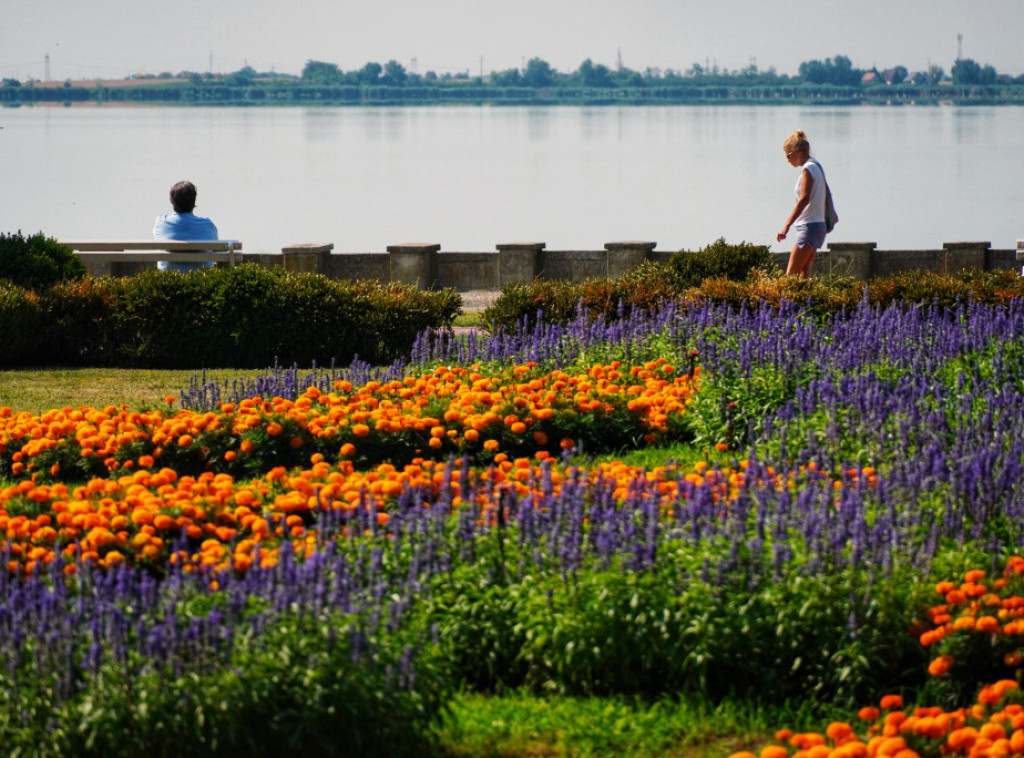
<point>807,740</point>
<point>907,753</point>
<point>941,665</point>
<point>838,731</point>
<point>774,751</point>
<point>274,429</point>
<point>868,713</point>
<point>992,731</point>
<point>891,701</point>
<point>892,746</point>
<point>956,597</point>
<point>931,637</point>
<point>987,624</point>
<point>963,738</point>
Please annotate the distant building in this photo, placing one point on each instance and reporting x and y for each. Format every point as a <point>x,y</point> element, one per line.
<point>870,77</point>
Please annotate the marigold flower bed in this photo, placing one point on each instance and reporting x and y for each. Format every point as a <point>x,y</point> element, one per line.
<point>443,526</point>
<point>450,410</point>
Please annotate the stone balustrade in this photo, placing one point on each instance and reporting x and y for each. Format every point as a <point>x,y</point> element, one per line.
<point>426,265</point>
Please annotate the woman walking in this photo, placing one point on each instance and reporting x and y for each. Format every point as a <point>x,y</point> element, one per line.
<point>808,215</point>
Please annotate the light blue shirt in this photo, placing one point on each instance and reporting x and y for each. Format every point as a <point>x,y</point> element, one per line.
<point>183,227</point>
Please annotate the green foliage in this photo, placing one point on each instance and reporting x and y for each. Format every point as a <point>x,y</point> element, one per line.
<point>994,287</point>
<point>643,289</point>
<point>720,259</point>
<point>397,313</point>
<point>37,262</point>
<point>79,324</point>
<point>242,317</point>
<point>653,634</point>
<point>21,322</point>
<point>821,295</point>
<point>295,690</point>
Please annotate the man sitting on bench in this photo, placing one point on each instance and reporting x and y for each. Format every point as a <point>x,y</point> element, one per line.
<point>183,225</point>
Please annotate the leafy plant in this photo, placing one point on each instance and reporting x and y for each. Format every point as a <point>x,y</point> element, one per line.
<point>37,262</point>
<point>720,259</point>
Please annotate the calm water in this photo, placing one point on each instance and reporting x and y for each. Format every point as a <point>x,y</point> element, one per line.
<point>471,177</point>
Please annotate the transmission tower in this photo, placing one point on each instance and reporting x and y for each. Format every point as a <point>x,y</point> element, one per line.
<point>959,45</point>
<point>46,68</point>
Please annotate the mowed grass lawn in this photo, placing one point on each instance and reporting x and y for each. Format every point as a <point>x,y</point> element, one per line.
<point>513,726</point>
<point>38,390</point>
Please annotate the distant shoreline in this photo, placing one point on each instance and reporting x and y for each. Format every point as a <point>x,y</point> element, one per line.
<point>184,93</point>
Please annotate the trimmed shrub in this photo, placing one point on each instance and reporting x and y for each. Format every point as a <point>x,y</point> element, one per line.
<point>720,259</point>
<point>21,323</point>
<point>254,317</point>
<point>398,313</point>
<point>38,261</point>
<point>641,290</point>
<point>243,317</point>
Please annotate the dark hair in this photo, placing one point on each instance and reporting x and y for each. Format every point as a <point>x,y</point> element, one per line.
<point>183,197</point>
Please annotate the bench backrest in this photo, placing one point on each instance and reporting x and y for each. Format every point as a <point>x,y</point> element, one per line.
<point>193,251</point>
<point>84,246</point>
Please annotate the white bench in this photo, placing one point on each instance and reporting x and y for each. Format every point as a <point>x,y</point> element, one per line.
<point>145,251</point>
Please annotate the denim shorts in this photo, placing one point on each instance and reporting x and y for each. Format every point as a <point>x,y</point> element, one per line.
<point>810,235</point>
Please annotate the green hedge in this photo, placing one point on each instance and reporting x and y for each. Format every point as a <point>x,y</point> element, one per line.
<point>243,317</point>
<point>643,288</point>
<point>649,286</point>
<point>37,262</point>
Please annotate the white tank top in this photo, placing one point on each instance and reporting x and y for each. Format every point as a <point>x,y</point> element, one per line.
<point>814,211</point>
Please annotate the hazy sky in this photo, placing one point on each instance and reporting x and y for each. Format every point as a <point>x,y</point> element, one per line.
<point>114,38</point>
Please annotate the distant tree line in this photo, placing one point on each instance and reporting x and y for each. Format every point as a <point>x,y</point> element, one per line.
<point>834,80</point>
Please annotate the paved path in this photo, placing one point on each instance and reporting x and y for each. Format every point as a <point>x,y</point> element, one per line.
<point>476,300</point>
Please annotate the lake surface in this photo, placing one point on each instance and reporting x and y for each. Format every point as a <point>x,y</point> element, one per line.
<point>470,177</point>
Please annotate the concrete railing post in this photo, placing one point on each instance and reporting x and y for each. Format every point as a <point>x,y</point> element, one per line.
<point>622,256</point>
<point>413,263</point>
<point>306,258</point>
<point>848,259</point>
<point>517,262</point>
<point>958,256</point>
